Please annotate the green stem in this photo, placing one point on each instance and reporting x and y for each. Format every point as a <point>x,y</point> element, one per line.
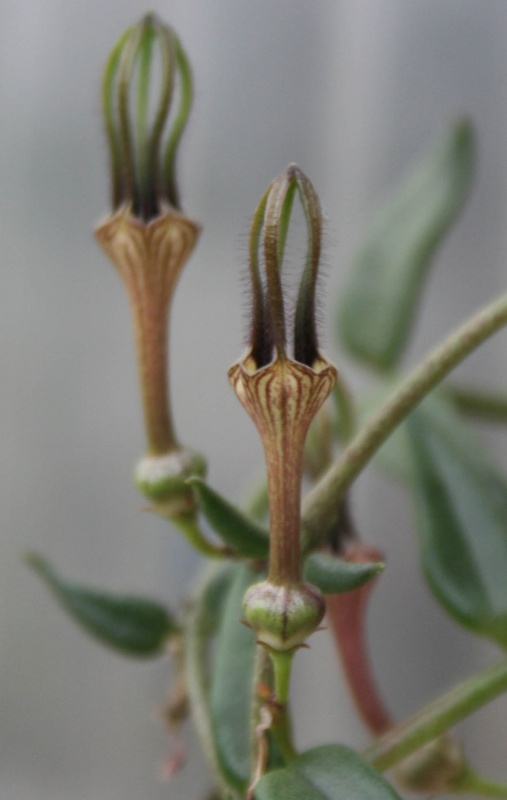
<point>262,674</point>
<point>189,527</point>
<point>440,715</point>
<point>283,735</point>
<point>488,406</point>
<point>322,503</point>
<point>471,783</point>
<point>282,665</point>
<point>281,728</point>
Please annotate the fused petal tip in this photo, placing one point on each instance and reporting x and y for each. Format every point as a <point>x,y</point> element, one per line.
<point>268,239</point>
<point>142,140</point>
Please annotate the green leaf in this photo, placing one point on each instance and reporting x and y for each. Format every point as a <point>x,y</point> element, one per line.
<point>246,537</point>
<point>461,505</point>
<point>202,621</point>
<point>133,625</point>
<point>379,301</point>
<point>331,772</point>
<point>214,597</point>
<point>332,575</point>
<point>232,685</point>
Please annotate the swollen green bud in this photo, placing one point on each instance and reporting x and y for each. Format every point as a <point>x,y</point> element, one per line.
<point>163,478</point>
<point>283,616</point>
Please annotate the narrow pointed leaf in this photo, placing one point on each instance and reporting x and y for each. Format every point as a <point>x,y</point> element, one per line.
<point>380,300</point>
<point>331,772</point>
<point>333,575</point>
<point>214,598</point>
<point>461,505</point>
<point>203,619</point>
<point>133,625</point>
<point>245,536</point>
<point>231,685</point>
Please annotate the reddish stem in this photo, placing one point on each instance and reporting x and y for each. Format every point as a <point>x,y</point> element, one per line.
<point>347,616</point>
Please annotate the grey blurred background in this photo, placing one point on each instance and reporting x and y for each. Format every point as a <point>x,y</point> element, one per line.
<point>352,91</point>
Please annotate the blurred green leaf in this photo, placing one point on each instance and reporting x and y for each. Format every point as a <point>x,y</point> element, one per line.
<point>461,505</point>
<point>133,625</point>
<point>202,620</point>
<point>246,537</point>
<point>395,456</point>
<point>332,575</point>
<point>232,685</point>
<point>331,772</point>
<point>214,596</point>
<point>379,302</point>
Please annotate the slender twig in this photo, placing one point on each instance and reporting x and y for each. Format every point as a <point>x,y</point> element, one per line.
<point>281,725</point>
<point>281,730</point>
<point>322,503</point>
<point>436,718</point>
<point>471,783</point>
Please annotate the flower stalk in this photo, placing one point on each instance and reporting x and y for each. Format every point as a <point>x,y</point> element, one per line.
<point>436,718</point>
<point>150,258</point>
<point>147,237</point>
<point>282,383</point>
<point>322,503</point>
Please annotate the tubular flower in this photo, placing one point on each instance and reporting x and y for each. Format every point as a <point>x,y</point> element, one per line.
<point>147,237</point>
<point>282,384</point>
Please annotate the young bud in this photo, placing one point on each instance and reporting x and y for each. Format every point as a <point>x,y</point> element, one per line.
<point>283,385</point>
<point>283,616</point>
<point>147,237</point>
<point>164,478</point>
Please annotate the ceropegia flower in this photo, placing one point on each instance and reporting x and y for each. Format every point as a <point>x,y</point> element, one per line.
<point>147,236</point>
<point>282,381</point>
